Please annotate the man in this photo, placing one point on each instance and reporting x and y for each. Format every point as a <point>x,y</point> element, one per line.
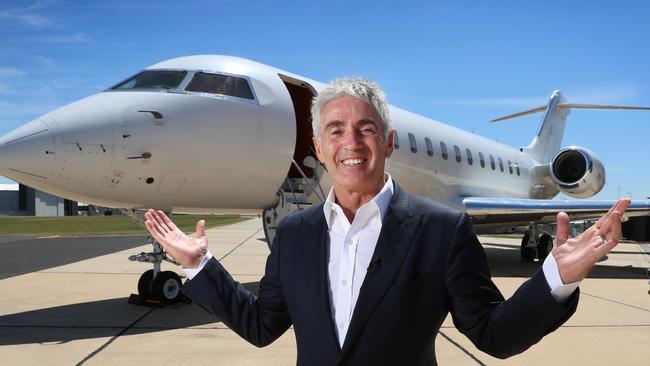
<point>367,277</point>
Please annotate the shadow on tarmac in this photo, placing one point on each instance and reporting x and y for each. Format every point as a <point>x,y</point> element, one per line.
<point>506,262</point>
<point>19,255</point>
<point>99,319</point>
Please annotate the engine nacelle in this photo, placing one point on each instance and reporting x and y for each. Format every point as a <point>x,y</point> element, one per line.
<point>577,172</point>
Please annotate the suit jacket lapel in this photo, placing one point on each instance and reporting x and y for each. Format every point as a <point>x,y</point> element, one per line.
<point>394,241</point>
<point>315,250</point>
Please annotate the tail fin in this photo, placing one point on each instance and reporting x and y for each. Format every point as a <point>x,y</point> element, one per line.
<point>551,131</point>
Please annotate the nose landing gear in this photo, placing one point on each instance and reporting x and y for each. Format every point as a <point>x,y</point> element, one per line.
<point>156,287</point>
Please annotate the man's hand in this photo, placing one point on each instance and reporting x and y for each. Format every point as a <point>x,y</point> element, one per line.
<point>576,256</point>
<point>188,250</point>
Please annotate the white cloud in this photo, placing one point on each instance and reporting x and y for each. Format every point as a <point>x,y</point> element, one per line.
<point>497,102</point>
<point>66,38</point>
<point>611,94</point>
<point>14,113</point>
<point>28,16</point>
<point>6,72</point>
<point>618,93</point>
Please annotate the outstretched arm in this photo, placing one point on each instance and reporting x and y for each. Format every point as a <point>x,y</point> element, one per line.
<point>259,320</point>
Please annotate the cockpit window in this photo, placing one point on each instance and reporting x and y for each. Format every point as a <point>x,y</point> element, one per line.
<point>153,79</point>
<point>220,84</point>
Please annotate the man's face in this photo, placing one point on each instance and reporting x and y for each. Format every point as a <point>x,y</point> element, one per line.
<point>352,146</point>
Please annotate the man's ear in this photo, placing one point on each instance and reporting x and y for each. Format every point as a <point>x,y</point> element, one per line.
<point>319,150</point>
<point>390,143</point>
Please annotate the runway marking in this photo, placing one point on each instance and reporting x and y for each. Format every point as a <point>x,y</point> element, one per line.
<point>461,348</point>
<point>103,346</point>
<point>240,244</point>
<point>581,292</point>
<point>614,301</point>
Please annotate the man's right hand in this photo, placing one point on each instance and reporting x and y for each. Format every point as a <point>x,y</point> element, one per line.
<point>188,250</point>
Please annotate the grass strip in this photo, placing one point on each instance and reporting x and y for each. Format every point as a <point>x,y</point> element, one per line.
<point>98,225</point>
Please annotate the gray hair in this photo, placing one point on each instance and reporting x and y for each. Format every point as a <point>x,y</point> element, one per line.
<point>364,89</point>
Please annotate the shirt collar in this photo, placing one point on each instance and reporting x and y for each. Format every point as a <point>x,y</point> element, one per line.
<point>382,200</point>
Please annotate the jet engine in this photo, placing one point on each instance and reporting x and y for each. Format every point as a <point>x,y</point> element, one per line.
<point>577,172</point>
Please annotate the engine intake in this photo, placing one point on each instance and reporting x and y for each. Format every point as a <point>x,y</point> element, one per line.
<point>577,172</point>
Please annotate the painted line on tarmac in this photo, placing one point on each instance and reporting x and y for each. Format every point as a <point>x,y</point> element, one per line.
<point>240,244</point>
<point>461,348</point>
<point>103,346</point>
<point>581,292</point>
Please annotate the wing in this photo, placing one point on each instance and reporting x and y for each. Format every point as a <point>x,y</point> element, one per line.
<point>494,214</point>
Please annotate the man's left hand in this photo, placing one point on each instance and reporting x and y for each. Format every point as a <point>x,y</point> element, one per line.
<point>575,257</point>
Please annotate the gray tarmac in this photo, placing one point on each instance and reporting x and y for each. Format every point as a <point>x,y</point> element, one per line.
<point>65,302</point>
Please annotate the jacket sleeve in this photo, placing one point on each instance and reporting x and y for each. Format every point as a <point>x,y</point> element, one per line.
<point>499,327</point>
<point>258,319</point>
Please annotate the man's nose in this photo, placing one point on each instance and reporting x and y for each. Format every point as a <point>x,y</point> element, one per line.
<point>352,139</point>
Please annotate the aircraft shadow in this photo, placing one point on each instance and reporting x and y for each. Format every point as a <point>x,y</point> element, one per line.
<point>99,319</point>
<point>506,262</point>
<point>20,255</point>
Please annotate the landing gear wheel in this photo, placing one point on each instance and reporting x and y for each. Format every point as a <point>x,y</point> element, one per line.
<point>544,246</point>
<point>527,253</point>
<point>144,284</point>
<point>167,286</point>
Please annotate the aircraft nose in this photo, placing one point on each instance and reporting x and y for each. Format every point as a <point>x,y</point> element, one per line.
<point>27,151</point>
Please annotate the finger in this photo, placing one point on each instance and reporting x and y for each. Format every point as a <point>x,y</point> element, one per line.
<point>602,250</point>
<point>200,229</point>
<point>161,221</point>
<point>620,206</point>
<point>615,232</point>
<point>154,230</point>
<point>611,226</point>
<point>562,228</point>
<point>623,205</point>
<point>170,224</point>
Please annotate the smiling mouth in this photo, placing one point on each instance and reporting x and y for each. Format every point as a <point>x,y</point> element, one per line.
<point>353,162</point>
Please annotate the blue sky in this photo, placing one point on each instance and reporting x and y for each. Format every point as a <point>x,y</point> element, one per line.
<point>460,62</point>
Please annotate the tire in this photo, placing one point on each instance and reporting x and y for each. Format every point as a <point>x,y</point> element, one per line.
<point>544,246</point>
<point>527,253</point>
<point>144,284</point>
<point>167,286</point>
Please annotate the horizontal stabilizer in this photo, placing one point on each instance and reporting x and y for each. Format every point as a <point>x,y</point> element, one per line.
<point>567,105</point>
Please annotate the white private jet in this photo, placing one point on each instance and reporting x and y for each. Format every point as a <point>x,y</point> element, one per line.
<point>215,134</point>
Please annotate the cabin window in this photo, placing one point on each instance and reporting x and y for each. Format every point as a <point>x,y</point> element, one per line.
<point>492,162</point>
<point>427,142</point>
<point>517,168</point>
<point>443,150</point>
<point>457,151</point>
<point>481,158</point>
<point>396,140</point>
<point>470,160</point>
<point>510,166</point>
<point>232,86</point>
<point>153,80</point>
<point>501,164</point>
<point>413,143</point>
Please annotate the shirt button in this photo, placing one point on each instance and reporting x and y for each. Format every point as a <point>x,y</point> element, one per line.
<point>341,325</point>
<point>344,282</point>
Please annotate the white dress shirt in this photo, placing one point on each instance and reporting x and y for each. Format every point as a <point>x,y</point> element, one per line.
<point>351,247</point>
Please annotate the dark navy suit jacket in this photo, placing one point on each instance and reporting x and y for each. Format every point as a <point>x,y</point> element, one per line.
<point>430,264</point>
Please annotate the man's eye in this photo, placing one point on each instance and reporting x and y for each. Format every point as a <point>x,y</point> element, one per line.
<point>367,131</point>
<point>335,132</point>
